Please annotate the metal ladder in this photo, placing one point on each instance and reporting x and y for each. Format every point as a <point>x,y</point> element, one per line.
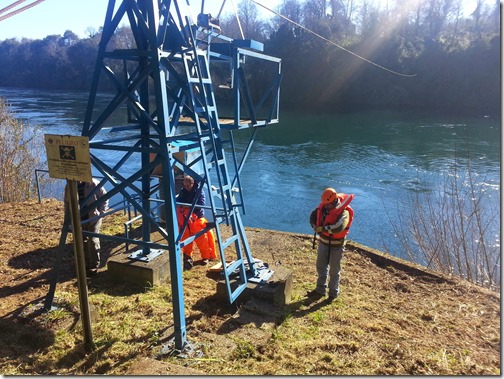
<point>206,118</point>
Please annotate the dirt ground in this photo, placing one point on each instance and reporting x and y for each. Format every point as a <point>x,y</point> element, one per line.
<point>391,317</point>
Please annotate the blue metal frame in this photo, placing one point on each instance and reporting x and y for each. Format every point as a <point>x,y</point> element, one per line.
<point>165,85</point>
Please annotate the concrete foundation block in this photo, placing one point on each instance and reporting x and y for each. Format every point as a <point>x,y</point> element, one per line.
<point>278,289</point>
<point>123,269</point>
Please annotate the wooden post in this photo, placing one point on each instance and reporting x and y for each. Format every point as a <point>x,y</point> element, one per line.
<point>80,264</point>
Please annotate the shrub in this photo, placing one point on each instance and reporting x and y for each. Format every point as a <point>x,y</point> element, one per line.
<point>454,231</point>
<point>21,149</point>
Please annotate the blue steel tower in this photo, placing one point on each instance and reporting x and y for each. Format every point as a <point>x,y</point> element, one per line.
<point>164,90</point>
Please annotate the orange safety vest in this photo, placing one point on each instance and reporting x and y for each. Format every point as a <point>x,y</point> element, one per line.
<point>333,216</point>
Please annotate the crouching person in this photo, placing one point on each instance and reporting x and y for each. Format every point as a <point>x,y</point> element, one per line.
<point>195,223</point>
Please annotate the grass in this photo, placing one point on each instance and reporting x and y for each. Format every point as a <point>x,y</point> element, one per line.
<point>386,321</point>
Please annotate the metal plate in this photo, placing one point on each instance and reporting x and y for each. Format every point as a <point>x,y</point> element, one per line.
<point>139,256</point>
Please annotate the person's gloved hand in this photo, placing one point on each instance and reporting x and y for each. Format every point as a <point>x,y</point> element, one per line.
<point>319,229</point>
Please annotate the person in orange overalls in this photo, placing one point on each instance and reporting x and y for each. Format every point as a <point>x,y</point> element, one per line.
<point>196,223</point>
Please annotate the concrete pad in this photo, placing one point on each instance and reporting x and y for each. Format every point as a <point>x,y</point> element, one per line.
<point>123,269</point>
<point>278,289</point>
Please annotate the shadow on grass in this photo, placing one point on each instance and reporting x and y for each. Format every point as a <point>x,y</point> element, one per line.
<point>20,337</point>
<point>103,283</point>
<point>35,261</point>
<point>256,311</point>
<point>46,259</point>
<point>81,360</point>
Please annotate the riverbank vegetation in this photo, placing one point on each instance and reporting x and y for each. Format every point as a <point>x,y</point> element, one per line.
<point>21,152</point>
<point>444,59</point>
<point>455,232</point>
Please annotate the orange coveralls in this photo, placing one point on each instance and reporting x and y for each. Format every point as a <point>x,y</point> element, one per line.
<point>205,242</point>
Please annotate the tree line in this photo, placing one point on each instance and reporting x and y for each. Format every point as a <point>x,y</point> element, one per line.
<point>336,54</point>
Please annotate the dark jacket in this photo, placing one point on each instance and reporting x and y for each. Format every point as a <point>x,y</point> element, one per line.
<point>185,196</point>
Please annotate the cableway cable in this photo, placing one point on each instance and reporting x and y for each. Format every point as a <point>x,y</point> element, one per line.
<point>15,12</point>
<point>334,43</point>
<point>3,10</point>
<point>237,18</point>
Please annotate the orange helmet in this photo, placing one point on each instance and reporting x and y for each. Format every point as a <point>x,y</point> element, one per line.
<point>329,195</point>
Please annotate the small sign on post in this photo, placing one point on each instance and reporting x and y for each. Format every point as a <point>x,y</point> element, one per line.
<point>68,158</point>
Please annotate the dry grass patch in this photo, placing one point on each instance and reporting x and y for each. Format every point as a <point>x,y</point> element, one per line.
<point>390,318</point>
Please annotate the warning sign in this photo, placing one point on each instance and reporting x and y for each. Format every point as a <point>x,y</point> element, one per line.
<point>68,157</point>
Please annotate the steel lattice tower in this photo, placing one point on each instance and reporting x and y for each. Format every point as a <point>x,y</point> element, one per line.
<point>164,91</point>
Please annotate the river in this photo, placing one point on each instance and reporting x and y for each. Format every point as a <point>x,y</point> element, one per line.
<point>383,157</point>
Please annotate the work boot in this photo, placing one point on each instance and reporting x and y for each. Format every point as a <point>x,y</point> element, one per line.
<point>188,263</point>
<point>314,294</point>
<point>91,272</point>
<point>331,298</point>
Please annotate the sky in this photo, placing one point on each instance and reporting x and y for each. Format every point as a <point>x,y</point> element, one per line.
<point>56,16</point>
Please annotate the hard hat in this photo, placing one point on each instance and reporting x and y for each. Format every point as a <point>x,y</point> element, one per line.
<point>329,195</point>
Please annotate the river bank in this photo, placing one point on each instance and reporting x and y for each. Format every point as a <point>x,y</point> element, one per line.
<point>392,317</point>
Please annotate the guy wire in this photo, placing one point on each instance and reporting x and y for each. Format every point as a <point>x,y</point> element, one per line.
<point>3,10</point>
<point>237,18</point>
<point>17,11</point>
<point>333,43</point>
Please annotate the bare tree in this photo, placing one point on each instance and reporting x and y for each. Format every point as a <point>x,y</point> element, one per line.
<point>453,230</point>
<point>91,32</point>
<point>249,22</point>
<point>291,10</point>
<point>21,149</point>
<point>437,15</point>
<point>315,9</point>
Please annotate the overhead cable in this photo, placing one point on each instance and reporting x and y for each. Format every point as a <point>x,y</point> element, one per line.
<point>15,12</point>
<point>237,18</point>
<point>3,10</point>
<point>334,43</point>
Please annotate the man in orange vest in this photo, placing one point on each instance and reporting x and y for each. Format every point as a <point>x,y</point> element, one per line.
<point>196,223</point>
<point>331,222</point>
